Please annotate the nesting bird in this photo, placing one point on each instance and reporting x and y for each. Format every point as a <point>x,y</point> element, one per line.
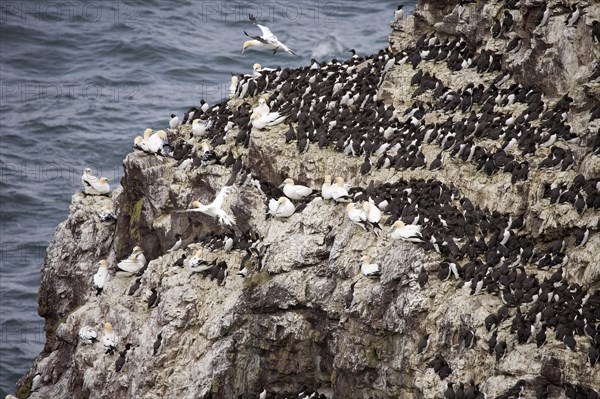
<point>135,262</point>
<point>295,191</point>
<point>401,231</point>
<point>87,335</point>
<point>93,185</point>
<point>110,340</point>
<point>281,208</point>
<point>368,268</point>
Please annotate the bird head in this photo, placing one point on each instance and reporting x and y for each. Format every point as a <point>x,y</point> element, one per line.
<point>137,249</point>
<point>103,180</point>
<point>366,259</point>
<point>398,224</point>
<point>366,205</point>
<point>282,200</point>
<point>162,134</point>
<point>87,171</point>
<point>108,327</point>
<point>256,67</point>
<point>103,263</point>
<point>173,115</point>
<point>247,43</point>
<point>198,253</point>
<point>328,179</point>
<point>147,133</point>
<point>196,204</point>
<point>138,140</point>
<point>262,101</point>
<point>350,206</point>
<point>339,181</point>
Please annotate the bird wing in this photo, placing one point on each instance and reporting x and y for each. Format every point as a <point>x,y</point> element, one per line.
<point>267,34</point>
<point>259,38</point>
<point>218,202</point>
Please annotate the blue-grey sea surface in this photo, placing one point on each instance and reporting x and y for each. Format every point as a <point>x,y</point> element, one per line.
<point>79,80</point>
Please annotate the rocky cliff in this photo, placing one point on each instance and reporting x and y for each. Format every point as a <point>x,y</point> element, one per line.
<point>479,123</point>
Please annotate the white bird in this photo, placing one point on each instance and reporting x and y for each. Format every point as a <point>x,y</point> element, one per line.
<point>411,232</point>
<point>87,335</point>
<point>262,108</point>
<point>177,244</point>
<point>257,69</point>
<point>134,263</point>
<point>36,382</point>
<point>339,190</point>
<point>101,276</point>
<point>356,215</point>
<point>263,394</point>
<point>281,208</point>
<point>174,122</point>
<point>140,144</point>
<point>369,269</point>
<point>214,208</point>
<point>372,212</point>
<point>295,191</point>
<point>197,262</point>
<point>156,141</point>
<point>233,85</point>
<point>271,119</point>
<point>106,213</point>
<point>200,127</point>
<point>398,14</point>
<point>267,40</point>
<point>93,185</point>
<point>326,188</point>
<point>109,338</point>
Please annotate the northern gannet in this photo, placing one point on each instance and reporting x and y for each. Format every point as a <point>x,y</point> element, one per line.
<point>257,69</point>
<point>200,127</point>
<point>214,208</point>
<point>101,276</point>
<point>281,208</point>
<point>198,264</point>
<point>339,190</point>
<point>356,215</point>
<point>369,269</point>
<point>326,188</point>
<point>156,141</point>
<point>88,335</point>
<point>262,108</point>
<point>134,263</point>
<point>271,119</point>
<point>294,191</point>
<point>109,338</point>
<point>411,232</point>
<point>267,40</point>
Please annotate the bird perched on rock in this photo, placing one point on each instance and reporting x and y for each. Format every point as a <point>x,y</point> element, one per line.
<point>356,214</point>
<point>135,262</point>
<point>281,208</point>
<point>93,185</point>
<point>411,232</point>
<point>110,339</point>
<point>106,214</point>
<point>88,335</point>
<point>295,191</point>
<point>368,268</point>
<point>120,362</point>
<point>214,208</point>
<point>101,276</point>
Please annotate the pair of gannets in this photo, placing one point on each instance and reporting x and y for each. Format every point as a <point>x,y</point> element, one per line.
<point>337,191</point>
<point>151,142</point>
<point>135,262</point>
<point>93,185</point>
<point>367,213</point>
<point>267,40</point>
<point>281,208</point>
<point>214,208</point>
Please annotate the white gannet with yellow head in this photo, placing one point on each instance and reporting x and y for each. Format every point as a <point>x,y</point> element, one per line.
<point>281,208</point>
<point>295,191</point>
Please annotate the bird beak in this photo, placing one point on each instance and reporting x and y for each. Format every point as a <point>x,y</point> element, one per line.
<point>281,185</point>
<point>243,48</point>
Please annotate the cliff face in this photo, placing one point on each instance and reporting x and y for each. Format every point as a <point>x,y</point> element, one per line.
<point>288,324</point>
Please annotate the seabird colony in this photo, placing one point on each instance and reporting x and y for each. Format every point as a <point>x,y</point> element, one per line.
<point>334,106</point>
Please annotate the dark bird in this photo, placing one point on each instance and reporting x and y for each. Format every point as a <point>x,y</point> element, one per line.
<point>157,343</point>
<point>152,298</point>
<point>349,296</point>
<point>423,344</point>
<point>120,362</point>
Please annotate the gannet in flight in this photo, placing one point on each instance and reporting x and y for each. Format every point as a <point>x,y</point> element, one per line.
<point>214,208</point>
<point>267,40</point>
